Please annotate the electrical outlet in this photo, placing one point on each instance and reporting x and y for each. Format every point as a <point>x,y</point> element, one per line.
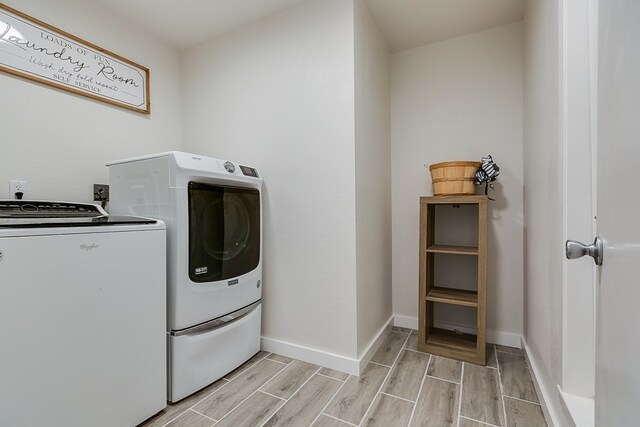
<point>100,192</point>
<point>17,189</point>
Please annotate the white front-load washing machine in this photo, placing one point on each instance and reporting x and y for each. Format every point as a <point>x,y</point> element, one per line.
<point>212,210</point>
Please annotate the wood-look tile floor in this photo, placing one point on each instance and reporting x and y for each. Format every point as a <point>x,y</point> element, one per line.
<point>399,387</point>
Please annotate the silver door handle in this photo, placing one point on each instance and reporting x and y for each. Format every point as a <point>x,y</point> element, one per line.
<point>575,250</point>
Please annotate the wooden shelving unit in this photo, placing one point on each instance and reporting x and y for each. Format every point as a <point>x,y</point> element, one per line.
<point>466,347</point>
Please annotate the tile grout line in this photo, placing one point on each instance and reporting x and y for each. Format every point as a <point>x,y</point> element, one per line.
<point>241,402</point>
<point>292,394</point>
<point>226,381</point>
<point>381,364</point>
<point>460,400</point>
<point>271,379</point>
<point>338,419</point>
<point>254,392</point>
<point>504,408</point>
<point>209,395</point>
<point>412,330</point>
<point>329,401</point>
<point>510,352</point>
<point>386,377</point>
<point>397,397</point>
<point>478,421</point>
<point>176,417</point>
<point>424,377</point>
<point>327,376</point>
<point>521,400</point>
<point>442,379</point>
<point>277,361</point>
<point>272,395</point>
<point>416,351</point>
<point>206,416</point>
<point>249,368</point>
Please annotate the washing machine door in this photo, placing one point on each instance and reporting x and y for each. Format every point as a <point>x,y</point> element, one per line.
<point>224,231</point>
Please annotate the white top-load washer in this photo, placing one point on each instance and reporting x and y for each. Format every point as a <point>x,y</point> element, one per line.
<point>212,209</point>
<point>82,304</point>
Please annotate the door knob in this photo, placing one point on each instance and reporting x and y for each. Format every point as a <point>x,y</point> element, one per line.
<point>575,250</point>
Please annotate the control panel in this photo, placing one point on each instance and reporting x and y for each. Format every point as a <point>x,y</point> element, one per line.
<point>247,171</point>
<point>36,209</point>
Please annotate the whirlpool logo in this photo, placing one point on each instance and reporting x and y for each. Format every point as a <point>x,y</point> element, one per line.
<point>87,248</point>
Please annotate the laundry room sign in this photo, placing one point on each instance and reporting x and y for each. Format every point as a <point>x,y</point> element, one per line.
<point>35,50</point>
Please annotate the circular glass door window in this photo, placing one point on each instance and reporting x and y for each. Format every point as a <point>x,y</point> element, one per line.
<point>225,243</point>
<point>224,231</point>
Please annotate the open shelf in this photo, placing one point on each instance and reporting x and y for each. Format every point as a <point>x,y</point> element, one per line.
<point>454,250</point>
<point>453,296</point>
<point>460,346</point>
<point>451,339</point>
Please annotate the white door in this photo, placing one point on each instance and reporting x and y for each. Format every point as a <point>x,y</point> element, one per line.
<point>618,214</point>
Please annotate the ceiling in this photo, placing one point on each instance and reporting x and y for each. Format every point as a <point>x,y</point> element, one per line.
<point>404,23</point>
<point>188,22</point>
<point>411,23</point>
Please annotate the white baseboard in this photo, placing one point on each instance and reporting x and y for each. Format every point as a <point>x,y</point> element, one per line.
<point>405,321</point>
<point>374,345</point>
<point>582,409</point>
<point>544,394</point>
<point>508,339</point>
<point>323,358</point>
<point>312,355</point>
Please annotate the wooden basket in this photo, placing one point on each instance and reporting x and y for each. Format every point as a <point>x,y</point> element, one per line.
<point>453,178</point>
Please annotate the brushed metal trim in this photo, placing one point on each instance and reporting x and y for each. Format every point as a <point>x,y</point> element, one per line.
<point>169,369</point>
<point>218,322</point>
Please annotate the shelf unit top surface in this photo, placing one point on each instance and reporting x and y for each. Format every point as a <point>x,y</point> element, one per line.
<point>453,200</point>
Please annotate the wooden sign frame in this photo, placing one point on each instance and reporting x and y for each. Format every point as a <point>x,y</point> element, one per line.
<point>38,51</point>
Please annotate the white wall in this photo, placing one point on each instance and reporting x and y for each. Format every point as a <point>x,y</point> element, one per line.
<point>543,177</point>
<point>373,178</point>
<point>58,141</point>
<point>278,94</point>
<point>460,99</point>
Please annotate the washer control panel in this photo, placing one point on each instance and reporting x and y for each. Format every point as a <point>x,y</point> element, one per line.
<point>229,167</point>
<point>247,171</point>
<point>38,209</point>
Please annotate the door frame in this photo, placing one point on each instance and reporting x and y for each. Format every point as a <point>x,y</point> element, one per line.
<point>578,128</point>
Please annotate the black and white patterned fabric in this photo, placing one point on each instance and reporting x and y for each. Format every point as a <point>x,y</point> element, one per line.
<point>488,171</point>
